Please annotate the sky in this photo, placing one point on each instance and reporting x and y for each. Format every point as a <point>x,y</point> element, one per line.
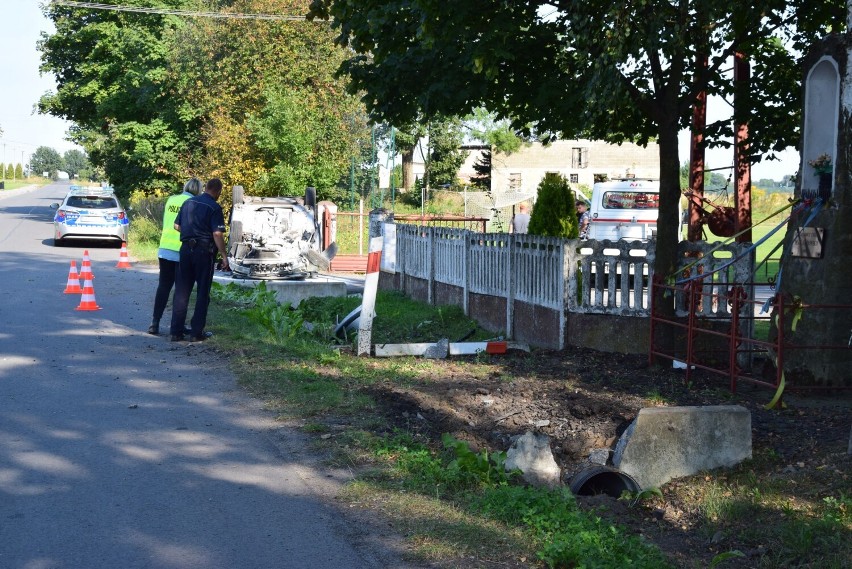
<point>24,130</point>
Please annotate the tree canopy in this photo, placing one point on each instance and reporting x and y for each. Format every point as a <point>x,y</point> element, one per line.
<point>45,159</point>
<point>114,83</point>
<point>157,98</point>
<point>600,70</point>
<point>75,162</point>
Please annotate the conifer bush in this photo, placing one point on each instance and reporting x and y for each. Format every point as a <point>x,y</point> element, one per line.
<point>554,214</point>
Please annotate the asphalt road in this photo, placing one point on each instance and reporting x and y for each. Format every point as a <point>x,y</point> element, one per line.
<point>123,450</point>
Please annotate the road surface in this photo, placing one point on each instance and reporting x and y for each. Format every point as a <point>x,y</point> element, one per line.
<point>123,450</point>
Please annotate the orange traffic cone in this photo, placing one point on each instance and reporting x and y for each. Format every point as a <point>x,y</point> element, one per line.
<point>123,260</point>
<point>86,268</point>
<point>87,301</point>
<point>73,286</point>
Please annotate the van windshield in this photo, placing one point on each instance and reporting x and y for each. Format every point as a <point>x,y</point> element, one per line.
<point>631,200</point>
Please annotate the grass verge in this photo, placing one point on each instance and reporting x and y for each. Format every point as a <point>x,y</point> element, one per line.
<point>448,501</point>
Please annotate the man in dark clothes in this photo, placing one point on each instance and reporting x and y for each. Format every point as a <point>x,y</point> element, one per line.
<point>202,227</point>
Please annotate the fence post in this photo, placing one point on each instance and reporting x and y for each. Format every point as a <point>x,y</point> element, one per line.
<point>510,285</point>
<point>466,276</point>
<point>430,295</point>
<point>567,288</point>
<point>401,254</point>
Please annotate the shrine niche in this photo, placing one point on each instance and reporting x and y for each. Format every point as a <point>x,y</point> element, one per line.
<point>816,269</point>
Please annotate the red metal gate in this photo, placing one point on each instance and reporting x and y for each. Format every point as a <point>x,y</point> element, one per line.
<point>727,346</point>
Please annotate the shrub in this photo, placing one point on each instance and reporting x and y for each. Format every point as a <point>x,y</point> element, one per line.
<point>554,214</point>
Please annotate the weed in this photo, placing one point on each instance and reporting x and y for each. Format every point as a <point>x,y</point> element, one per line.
<point>654,397</point>
<point>487,469</point>
<point>641,496</point>
<point>722,557</point>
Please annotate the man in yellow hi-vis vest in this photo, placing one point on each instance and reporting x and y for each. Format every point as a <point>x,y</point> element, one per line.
<point>169,251</point>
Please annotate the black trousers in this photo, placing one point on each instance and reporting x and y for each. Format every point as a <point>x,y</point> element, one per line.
<point>168,273</point>
<point>196,269</point>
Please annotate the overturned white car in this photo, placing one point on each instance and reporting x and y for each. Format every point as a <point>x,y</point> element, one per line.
<point>280,237</point>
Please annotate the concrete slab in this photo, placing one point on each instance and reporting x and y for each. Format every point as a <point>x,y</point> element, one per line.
<point>396,350</point>
<point>453,348</point>
<point>291,292</point>
<point>664,443</point>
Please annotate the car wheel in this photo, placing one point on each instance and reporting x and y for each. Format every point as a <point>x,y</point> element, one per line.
<point>237,194</point>
<point>234,237</point>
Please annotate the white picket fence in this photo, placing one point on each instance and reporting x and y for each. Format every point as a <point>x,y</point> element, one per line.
<point>564,275</point>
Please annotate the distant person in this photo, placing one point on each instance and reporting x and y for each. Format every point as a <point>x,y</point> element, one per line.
<point>201,224</point>
<point>521,220</point>
<point>583,219</point>
<point>168,254</point>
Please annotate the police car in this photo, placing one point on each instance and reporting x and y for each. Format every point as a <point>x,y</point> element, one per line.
<point>89,214</point>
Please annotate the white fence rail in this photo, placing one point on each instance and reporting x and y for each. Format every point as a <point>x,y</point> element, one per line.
<point>565,275</point>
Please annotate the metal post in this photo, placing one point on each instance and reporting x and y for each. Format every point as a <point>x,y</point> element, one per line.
<point>653,305</point>
<point>737,294</point>
<point>392,150</point>
<point>352,185</point>
<point>690,328</point>
<point>361,226</point>
<point>696,159</point>
<point>742,166</point>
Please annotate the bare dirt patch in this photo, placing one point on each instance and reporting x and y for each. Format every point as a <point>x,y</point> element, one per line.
<point>583,400</point>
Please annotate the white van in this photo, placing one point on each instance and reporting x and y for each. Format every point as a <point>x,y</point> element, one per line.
<point>624,209</point>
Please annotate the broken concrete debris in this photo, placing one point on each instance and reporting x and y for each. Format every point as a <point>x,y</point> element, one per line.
<point>438,351</point>
<point>530,453</point>
<point>664,443</point>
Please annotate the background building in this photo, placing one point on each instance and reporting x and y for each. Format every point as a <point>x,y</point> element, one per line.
<point>581,161</point>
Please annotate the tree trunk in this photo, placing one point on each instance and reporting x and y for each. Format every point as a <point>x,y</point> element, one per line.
<point>668,226</point>
<point>668,223</point>
<point>408,170</point>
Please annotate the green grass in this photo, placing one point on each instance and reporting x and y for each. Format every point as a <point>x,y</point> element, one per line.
<point>450,502</point>
<point>15,184</point>
<point>766,261</point>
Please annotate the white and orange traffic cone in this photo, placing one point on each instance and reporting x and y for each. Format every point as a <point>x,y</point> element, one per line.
<point>86,268</point>
<point>123,260</point>
<point>87,301</point>
<point>73,285</point>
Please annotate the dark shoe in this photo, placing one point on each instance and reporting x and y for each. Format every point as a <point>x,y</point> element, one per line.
<point>187,330</point>
<point>154,328</point>
<point>177,338</point>
<point>201,337</point>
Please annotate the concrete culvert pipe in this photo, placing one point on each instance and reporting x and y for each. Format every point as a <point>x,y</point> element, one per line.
<point>602,480</point>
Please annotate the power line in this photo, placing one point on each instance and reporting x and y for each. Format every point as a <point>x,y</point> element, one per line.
<point>168,12</point>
